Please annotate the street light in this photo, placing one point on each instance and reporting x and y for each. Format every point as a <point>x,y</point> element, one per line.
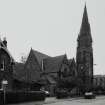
<point>4,83</point>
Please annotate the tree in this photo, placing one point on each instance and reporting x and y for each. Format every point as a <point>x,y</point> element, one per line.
<point>70,82</point>
<point>23,59</point>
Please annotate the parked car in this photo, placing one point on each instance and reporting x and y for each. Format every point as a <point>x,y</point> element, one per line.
<point>47,93</point>
<point>89,95</point>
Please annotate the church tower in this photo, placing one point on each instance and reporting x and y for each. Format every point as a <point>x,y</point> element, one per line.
<point>84,57</point>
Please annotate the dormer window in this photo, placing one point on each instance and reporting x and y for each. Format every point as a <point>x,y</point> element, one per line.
<point>2,66</point>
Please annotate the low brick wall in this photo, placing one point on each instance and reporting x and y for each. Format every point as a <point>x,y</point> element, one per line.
<point>18,97</point>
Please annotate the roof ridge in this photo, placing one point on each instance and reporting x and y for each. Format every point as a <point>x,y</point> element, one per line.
<point>58,56</point>
<point>38,56</point>
<point>39,52</point>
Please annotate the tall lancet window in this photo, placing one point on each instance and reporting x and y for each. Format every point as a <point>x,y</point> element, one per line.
<point>42,66</point>
<point>2,65</point>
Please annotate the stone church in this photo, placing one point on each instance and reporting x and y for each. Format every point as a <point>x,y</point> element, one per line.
<point>84,57</point>
<point>39,66</point>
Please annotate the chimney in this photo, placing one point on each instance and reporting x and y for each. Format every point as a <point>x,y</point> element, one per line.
<point>5,41</point>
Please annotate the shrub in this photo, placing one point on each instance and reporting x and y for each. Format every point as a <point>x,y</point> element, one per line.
<point>61,93</point>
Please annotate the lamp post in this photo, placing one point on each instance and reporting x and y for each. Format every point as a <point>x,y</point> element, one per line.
<point>4,83</point>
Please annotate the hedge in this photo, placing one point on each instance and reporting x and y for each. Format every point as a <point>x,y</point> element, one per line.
<point>61,94</point>
<point>18,97</point>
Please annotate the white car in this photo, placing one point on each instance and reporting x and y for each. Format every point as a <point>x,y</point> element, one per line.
<point>46,92</point>
<point>89,95</point>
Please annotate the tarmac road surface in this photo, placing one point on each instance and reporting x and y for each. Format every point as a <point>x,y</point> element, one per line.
<point>100,100</point>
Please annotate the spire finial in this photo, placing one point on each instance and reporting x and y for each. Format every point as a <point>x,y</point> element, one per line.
<point>85,10</point>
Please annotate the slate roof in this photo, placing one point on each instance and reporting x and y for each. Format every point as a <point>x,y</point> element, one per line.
<point>18,70</point>
<point>72,66</point>
<point>32,68</point>
<point>53,64</point>
<point>40,56</point>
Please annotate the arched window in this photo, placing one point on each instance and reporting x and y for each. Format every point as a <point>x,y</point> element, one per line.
<point>2,65</point>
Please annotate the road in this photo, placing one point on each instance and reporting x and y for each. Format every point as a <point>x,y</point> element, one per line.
<point>100,100</point>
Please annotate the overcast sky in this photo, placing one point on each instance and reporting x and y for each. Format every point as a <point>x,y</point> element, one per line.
<point>52,27</point>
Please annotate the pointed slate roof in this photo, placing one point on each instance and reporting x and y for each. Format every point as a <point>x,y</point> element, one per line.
<point>72,66</point>
<point>85,16</point>
<point>53,64</point>
<point>71,61</point>
<point>85,26</point>
<point>40,56</point>
<point>32,67</point>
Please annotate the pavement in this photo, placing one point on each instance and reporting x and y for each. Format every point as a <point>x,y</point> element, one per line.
<point>54,100</point>
<point>99,100</point>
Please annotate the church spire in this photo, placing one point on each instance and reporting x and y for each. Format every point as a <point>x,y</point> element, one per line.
<point>85,26</point>
<point>84,57</point>
<point>85,17</point>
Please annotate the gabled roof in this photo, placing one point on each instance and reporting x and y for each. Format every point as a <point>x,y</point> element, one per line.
<point>32,67</point>
<point>2,46</point>
<point>53,64</point>
<point>40,56</point>
<point>71,61</point>
<point>72,66</point>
